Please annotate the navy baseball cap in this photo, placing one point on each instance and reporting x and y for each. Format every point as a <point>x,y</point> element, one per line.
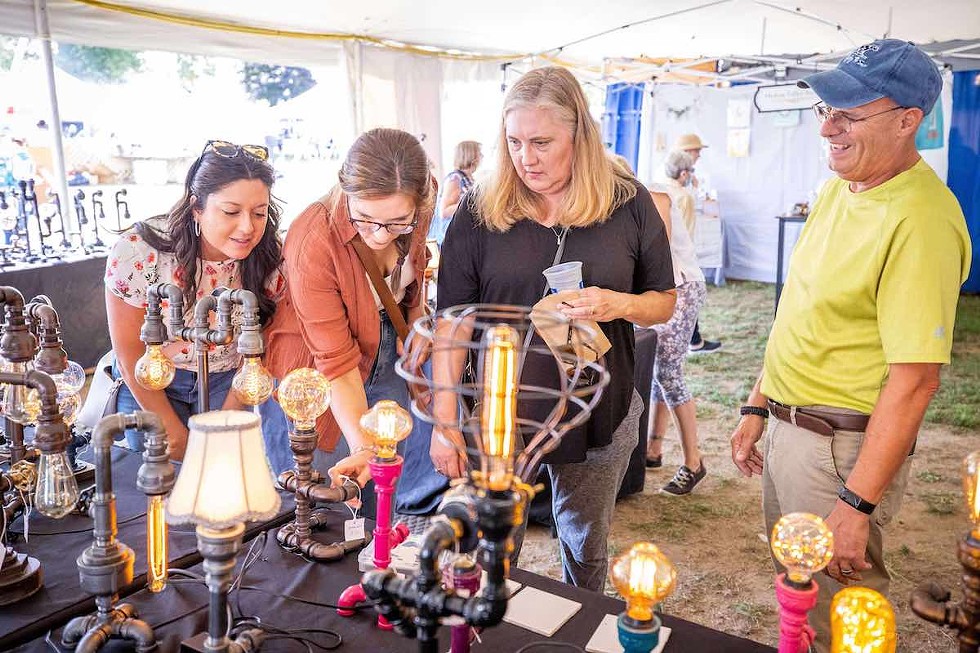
<point>886,68</point>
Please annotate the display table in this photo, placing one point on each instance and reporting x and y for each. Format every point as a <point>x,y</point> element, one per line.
<point>77,291</point>
<point>780,249</point>
<point>57,543</point>
<point>180,611</point>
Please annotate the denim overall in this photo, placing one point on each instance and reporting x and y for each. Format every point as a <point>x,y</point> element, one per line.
<point>182,393</point>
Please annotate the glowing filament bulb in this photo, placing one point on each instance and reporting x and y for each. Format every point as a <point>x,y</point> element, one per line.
<point>861,621</point>
<point>252,384</point>
<point>154,371</point>
<point>386,424</point>
<point>68,404</point>
<point>304,395</point>
<point>498,422</point>
<point>971,489</point>
<point>156,544</point>
<point>803,544</point>
<point>644,576</point>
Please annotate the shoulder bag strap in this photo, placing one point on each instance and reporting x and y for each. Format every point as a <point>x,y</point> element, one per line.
<point>380,287</point>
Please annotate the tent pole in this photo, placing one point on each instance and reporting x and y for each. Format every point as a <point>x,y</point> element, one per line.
<point>43,34</point>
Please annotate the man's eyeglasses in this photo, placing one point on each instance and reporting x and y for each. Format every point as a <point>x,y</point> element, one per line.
<point>370,226</point>
<point>841,119</point>
<point>230,150</point>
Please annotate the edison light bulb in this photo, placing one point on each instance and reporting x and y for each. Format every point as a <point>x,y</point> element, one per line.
<point>803,544</point>
<point>154,371</point>
<point>252,383</point>
<point>304,395</point>
<point>971,489</point>
<point>68,404</point>
<point>72,379</point>
<point>156,544</point>
<point>386,424</point>
<point>57,490</point>
<point>21,404</point>
<point>644,577</point>
<point>861,621</point>
<point>498,422</point>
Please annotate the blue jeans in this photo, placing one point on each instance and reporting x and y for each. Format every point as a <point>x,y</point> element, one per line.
<point>420,486</point>
<point>182,393</point>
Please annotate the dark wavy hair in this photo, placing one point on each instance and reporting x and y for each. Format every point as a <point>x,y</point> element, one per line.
<point>209,174</point>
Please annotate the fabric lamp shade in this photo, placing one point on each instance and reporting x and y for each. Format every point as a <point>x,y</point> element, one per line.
<point>225,478</point>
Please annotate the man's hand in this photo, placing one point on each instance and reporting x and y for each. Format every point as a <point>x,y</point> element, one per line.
<point>745,453</point>
<point>177,440</point>
<point>850,529</point>
<point>447,450</point>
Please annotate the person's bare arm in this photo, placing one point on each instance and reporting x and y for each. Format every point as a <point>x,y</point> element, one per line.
<point>891,432</point>
<point>450,198</point>
<point>745,453</point>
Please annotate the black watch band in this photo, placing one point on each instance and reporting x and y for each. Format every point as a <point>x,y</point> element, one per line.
<point>753,410</point>
<point>854,501</point>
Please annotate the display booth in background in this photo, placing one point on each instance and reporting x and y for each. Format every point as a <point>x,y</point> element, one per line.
<point>964,159</point>
<point>760,165</point>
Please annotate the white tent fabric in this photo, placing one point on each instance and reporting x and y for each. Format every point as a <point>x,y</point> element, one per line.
<point>678,28</point>
<point>785,165</point>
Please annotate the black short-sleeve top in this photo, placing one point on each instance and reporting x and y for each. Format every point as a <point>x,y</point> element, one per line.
<point>628,253</point>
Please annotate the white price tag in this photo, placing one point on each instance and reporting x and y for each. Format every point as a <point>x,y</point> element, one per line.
<point>354,529</point>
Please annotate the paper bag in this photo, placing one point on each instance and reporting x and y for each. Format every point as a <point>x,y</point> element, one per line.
<point>559,336</point>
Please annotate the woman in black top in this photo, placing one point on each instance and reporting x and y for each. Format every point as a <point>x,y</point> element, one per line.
<point>553,176</point>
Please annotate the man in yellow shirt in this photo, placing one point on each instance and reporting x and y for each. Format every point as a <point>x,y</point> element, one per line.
<point>865,320</point>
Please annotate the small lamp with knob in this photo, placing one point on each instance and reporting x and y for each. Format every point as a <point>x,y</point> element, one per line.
<point>386,424</point>
<point>803,544</point>
<point>644,577</point>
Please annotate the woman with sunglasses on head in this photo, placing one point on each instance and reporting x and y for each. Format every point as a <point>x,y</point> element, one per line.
<point>334,319</point>
<point>222,232</point>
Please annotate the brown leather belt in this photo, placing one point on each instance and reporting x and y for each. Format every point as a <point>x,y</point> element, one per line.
<point>812,419</point>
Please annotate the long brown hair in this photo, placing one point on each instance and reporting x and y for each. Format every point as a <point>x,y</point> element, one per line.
<point>597,187</point>
<point>385,162</point>
<point>207,175</point>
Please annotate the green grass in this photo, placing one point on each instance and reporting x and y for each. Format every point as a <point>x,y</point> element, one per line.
<point>941,503</point>
<point>740,314</point>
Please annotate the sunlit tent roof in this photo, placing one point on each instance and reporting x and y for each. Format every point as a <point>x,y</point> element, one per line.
<point>586,33</point>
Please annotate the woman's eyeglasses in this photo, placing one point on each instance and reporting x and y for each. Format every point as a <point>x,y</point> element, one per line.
<point>230,150</point>
<point>370,226</point>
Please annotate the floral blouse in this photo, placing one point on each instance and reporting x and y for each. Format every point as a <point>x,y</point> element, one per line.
<point>133,266</point>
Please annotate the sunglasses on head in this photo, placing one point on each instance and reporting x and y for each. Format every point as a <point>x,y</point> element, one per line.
<point>230,150</point>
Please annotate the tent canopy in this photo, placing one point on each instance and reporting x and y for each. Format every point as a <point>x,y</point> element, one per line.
<point>305,32</point>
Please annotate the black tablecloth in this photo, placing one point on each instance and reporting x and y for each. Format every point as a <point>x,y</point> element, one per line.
<point>180,612</point>
<point>57,544</point>
<point>76,289</point>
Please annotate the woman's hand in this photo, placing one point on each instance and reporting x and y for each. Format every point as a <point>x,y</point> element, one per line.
<point>177,440</point>
<point>354,467</point>
<point>448,452</point>
<point>594,303</point>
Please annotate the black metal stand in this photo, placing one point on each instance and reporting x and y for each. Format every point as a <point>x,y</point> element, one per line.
<point>122,209</point>
<point>98,213</point>
<point>107,564</point>
<point>20,575</point>
<point>415,606</point>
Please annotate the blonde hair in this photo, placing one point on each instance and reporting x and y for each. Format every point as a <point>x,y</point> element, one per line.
<point>467,155</point>
<point>385,162</point>
<point>597,186</point>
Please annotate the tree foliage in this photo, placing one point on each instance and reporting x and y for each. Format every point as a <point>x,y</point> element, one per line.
<point>101,65</point>
<point>275,84</point>
<point>191,68</point>
<point>7,52</point>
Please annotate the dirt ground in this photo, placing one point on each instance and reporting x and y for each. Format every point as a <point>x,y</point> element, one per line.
<point>715,536</point>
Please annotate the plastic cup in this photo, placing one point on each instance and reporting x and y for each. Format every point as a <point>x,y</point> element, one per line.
<point>564,276</point>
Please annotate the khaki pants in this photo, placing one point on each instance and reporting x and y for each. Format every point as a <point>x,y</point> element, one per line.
<point>802,472</point>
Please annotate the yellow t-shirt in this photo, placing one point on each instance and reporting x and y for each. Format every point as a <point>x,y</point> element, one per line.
<point>874,280</point>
